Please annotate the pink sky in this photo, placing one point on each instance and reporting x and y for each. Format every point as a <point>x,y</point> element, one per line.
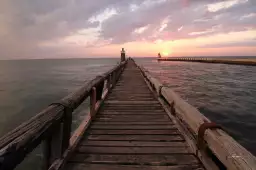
<point>77,29</point>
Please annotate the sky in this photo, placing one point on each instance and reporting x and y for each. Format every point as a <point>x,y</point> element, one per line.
<point>100,28</point>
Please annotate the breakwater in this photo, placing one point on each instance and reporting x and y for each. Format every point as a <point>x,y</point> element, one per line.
<point>250,62</point>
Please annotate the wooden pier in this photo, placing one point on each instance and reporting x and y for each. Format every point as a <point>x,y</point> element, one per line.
<point>234,61</point>
<point>135,122</point>
<point>132,131</point>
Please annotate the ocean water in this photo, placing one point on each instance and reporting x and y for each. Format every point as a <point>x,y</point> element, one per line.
<point>226,94</point>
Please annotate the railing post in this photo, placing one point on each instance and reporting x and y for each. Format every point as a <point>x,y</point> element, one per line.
<point>113,79</point>
<point>52,146</point>
<point>99,90</point>
<point>109,82</point>
<point>46,151</point>
<point>67,125</point>
<point>93,102</point>
<point>119,72</point>
<point>58,138</point>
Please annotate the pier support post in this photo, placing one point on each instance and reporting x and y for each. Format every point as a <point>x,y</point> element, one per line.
<point>52,146</point>
<point>93,101</point>
<point>113,77</point>
<point>67,125</point>
<point>109,82</point>
<point>99,90</point>
<point>46,151</point>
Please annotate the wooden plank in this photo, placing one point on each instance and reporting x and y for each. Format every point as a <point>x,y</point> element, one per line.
<point>127,95</point>
<point>133,143</point>
<point>133,108</point>
<point>134,127</point>
<point>155,106</point>
<point>131,150</point>
<point>116,102</point>
<point>131,119</point>
<point>155,112</point>
<point>122,113</point>
<point>134,132</point>
<point>133,111</point>
<point>161,138</point>
<point>138,117</point>
<point>132,123</point>
<point>141,117</point>
<point>133,159</point>
<point>76,166</point>
<point>131,98</point>
<point>142,92</point>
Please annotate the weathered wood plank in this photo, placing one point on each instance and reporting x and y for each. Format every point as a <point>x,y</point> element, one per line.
<point>133,159</point>
<point>131,98</point>
<point>131,119</point>
<point>134,132</point>
<point>121,113</point>
<point>148,123</point>
<point>126,95</point>
<point>134,108</point>
<point>155,112</point>
<point>134,127</point>
<point>133,143</point>
<point>161,138</point>
<point>134,117</point>
<point>133,103</point>
<point>138,117</point>
<point>131,150</point>
<point>75,166</point>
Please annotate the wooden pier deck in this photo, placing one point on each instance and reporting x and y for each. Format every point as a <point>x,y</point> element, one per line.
<point>132,131</point>
<point>134,122</point>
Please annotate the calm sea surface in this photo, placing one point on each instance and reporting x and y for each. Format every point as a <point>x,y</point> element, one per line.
<point>224,93</point>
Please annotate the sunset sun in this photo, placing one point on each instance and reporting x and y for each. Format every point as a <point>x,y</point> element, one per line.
<point>166,53</point>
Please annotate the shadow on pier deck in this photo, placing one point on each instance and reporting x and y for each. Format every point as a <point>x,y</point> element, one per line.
<point>132,131</point>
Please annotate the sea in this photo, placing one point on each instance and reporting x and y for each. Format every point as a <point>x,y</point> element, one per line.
<point>226,94</point>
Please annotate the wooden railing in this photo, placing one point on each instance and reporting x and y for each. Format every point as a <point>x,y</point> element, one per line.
<point>52,126</point>
<point>224,151</point>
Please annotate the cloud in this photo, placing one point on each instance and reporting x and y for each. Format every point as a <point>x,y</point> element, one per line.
<point>247,43</point>
<point>36,28</point>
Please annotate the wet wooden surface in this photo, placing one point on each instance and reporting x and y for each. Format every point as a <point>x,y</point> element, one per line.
<point>132,131</point>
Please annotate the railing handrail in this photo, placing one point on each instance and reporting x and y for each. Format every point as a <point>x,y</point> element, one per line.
<point>16,144</point>
<point>230,153</point>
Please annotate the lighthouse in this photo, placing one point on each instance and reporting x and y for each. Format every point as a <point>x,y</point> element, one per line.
<point>122,55</point>
<point>159,55</point>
